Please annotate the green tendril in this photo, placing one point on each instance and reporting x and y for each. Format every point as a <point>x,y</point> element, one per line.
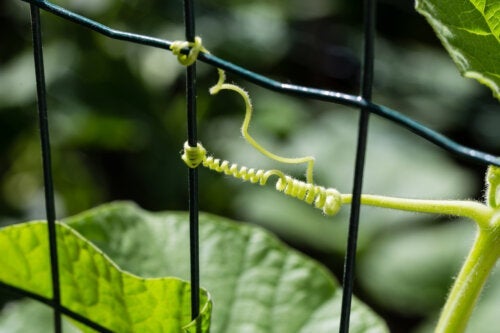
<point>328,200</point>
<point>493,186</point>
<point>221,85</point>
<point>194,49</point>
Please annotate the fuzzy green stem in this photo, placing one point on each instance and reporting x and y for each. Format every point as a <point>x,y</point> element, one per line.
<point>470,209</point>
<point>481,259</point>
<point>470,281</point>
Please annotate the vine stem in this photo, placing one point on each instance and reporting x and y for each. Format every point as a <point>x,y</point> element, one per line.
<point>470,281</point>
<point>480,261</point>
<point>461,208</point>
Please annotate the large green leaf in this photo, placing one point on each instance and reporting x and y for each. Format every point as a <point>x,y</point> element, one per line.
<point>256,282</point>
<point>470,32</point>
<point>93,286</point>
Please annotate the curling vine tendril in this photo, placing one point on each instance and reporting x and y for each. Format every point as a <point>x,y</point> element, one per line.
<point>326,199</point>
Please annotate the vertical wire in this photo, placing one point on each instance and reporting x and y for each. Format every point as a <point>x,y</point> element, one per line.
<point>366,93</point>
<point>189,22</point>
<point>46,163</point>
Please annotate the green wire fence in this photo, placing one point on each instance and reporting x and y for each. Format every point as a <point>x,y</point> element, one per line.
<point>360,102</point>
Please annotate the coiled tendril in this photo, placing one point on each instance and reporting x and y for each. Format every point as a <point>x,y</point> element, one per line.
<point>195,48</point>
<point>327,199</point>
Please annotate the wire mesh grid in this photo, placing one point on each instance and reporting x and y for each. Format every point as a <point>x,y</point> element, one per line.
<point>361,101</point>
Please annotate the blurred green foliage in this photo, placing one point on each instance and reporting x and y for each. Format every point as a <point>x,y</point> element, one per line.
<point>118,123</point>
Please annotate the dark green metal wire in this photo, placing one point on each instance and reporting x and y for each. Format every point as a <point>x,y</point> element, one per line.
<point>313,93</point>
<point>46,165</point>
<point>189,23</point>
<point>352,236</point>
<point>65,311</point>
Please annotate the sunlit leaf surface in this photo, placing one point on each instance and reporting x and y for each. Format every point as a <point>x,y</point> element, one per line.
<point>470,31</point>
<point>256,282</point>
<point>93,286</point>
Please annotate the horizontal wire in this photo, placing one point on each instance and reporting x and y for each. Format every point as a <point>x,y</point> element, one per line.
<point>291,89</point>
<point>78,317</point>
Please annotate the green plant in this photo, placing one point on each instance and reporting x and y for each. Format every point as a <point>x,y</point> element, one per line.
<point>461,30</point>
<point>241,266</point>
<point>470,31</point>
<point>484,215</point>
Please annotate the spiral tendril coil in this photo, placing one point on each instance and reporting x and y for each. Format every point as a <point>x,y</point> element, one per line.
<point>194,49</point>
<point>326,199</point>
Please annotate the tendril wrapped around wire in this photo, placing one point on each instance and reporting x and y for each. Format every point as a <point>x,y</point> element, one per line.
<point>327,199</point>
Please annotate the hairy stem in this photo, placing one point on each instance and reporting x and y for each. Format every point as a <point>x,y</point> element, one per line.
<point>481,259</point>
<point>462,208</point>
<point>470,281</point>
